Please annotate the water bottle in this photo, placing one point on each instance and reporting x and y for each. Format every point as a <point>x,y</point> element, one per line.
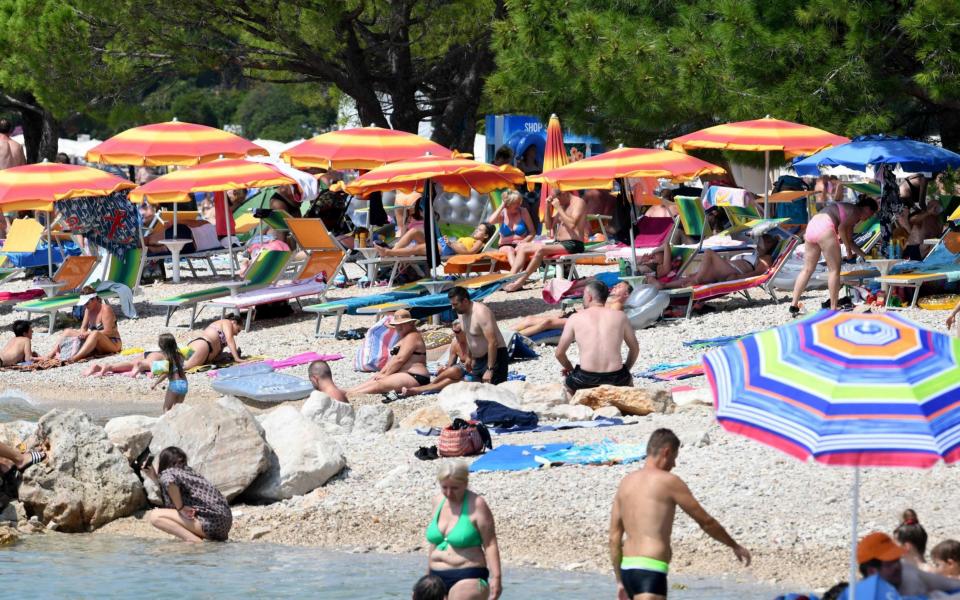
<point>892,249</point>
<point>899,250</point>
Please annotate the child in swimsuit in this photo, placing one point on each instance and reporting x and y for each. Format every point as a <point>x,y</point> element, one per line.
<point>171,369</point>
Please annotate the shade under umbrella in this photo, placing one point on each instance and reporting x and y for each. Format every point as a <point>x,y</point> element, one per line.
<point>360,148</point>
<point>844,389</point>
<point>871,150</point>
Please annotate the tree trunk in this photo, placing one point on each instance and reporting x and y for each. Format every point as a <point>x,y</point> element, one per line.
<point>39,134</point>
<point>949,123</point>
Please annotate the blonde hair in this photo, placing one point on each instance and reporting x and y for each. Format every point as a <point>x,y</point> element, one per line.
<point>456,470</point>
<point>510,198</point>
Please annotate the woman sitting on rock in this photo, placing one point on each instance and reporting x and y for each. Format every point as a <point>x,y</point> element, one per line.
<point>463,540</point>
<point>194,510</point>
<point>407,366</point>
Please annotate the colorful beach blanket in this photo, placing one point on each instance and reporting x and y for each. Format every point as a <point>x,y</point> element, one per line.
<point>714,341</point>
<point>672,371</point>
<point>520,458</point>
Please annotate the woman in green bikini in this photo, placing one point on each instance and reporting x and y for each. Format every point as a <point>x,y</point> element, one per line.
<point>463,539</point>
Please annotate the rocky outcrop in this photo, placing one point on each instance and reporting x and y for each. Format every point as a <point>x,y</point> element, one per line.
<point>460,399</point>
<point>222,441</point>
<point>426,417</point>
<point>630,401</point>
<point>566,412</point>
<point>130,434</point>
<point>85,481</point>
<point>373,418</point>
<point>303,457</point>
<point>331,415</point>
<point>8,535</point>
<point>16,432</point>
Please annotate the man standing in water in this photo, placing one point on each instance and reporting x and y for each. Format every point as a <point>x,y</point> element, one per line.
<point>644,508</point>
<point>484,340</point>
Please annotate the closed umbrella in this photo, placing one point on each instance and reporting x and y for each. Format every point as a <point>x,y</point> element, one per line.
<point>456,175</point>
<point>38,186</point>
<point>554,157</point>
<point>761,135</point>
<point>844,389</point>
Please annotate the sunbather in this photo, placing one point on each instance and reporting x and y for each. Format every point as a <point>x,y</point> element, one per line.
<point>98,333</point>
<point>407,366</point>
<point>535,324</point>
<point>514,222</point>
<point>216,337</point>
<point>715,268</point>
<point>19,348</point>
<point>413,243</point>
<point>458,368</point>
<point>568,213</point>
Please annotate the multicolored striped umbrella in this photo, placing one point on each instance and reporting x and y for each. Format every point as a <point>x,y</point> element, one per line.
<point>844,389</point>
<point>600,171</point>
<point>360,148</point>
<point>38,186</point>
<point>216,176</point>
<point>172,144</point>
<point>554,157</point>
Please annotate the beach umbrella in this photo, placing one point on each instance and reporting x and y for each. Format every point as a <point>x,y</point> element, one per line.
<point>761,135</point>
<point>554,157</point>
<point>216,176</point>
<point>872,150</point>
<point>38,186</point>
<point>456,175</point>
<point>600,171</point>
<point>360,148</point>
<point>845,389</point>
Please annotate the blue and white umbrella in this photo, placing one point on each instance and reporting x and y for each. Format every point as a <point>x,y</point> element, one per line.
<point>873,150</point>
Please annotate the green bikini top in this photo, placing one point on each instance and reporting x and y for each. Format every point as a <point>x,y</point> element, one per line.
<point>463,534</point>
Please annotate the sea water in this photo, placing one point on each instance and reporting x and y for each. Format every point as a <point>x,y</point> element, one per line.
<point>101,566</point>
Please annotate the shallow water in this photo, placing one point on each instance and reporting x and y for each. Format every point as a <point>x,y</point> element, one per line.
<point>15,406</point>
<point>85,566</point>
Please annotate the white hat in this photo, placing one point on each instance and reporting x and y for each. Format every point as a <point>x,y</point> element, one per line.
<point>84,298</point>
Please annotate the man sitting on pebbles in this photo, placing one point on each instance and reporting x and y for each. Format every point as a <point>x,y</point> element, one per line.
<point>488,351</point>
<point>599,332</point>
<point>98,333</point>
<point>18,349</point>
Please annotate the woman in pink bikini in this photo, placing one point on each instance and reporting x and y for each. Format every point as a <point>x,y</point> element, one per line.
<point>836,219</point>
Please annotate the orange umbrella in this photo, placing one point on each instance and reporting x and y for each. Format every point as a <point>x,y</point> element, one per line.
<point>360,148</point>
<point>761,135</point>
<point>38,186</point>
<point>457,175</point>
<point>172,143</point>
<point>554,157</point>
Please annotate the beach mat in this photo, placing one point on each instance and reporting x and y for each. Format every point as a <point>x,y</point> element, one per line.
<point>672,371</point>
<point>514,458</point>
<point>520,458</point>
<point>562,425</point>
<point>714,341</point>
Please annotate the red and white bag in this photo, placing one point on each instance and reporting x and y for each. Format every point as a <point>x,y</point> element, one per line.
<point>460,442</point>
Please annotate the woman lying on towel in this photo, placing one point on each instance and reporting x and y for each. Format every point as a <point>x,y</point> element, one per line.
<point>412,243</point>
<point>407,366</point>
<point>715,268</point>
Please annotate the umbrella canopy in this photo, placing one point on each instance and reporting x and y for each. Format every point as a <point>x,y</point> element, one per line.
<point>360,148</point>
<point>172,143</point>
<point>870,150</point>
<point>554,156</point>
<point>600,171</point>
<point>845,389</point>
<point>456,175</point>
<point>38,186</point>
<point>217,176</point>
<point>760,135</point>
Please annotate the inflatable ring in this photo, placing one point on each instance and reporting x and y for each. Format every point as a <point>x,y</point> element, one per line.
<point>645,305</point>
<point>941,302</point>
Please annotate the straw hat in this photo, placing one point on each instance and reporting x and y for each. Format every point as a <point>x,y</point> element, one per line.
<point>400,317</point>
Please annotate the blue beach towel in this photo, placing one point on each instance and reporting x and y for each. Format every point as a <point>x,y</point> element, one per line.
<point>513,458</point>
<point>603,452</point>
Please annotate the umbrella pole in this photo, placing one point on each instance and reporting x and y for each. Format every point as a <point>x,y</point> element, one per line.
<point>49,246</point>
<point>766,183</point>
<point>854,511</point>
<point>633,217</point>
<point>433,232</point>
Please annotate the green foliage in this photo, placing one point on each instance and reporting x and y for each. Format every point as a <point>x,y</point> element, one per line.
<point>285,112</point>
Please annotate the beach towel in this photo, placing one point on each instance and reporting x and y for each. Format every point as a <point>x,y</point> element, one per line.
<point>714,341</point>
<point>563,425</point>
<point>514,458</point>
<point>111,222</point>
<point>494,414</point>
<point>672,371</point>
<point>21,296</point>
<point>301,359</point>
<point>124,296</point>
<point>375,350</point>
<point>603,452</point>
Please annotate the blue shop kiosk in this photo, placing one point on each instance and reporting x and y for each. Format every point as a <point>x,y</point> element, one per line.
<point>519,132</point>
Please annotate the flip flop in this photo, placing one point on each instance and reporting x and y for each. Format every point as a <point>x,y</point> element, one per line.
<point>36,456</point>
<point>391,396</point>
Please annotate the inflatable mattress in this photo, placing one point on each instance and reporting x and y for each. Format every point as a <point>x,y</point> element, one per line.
<point>267,387</point>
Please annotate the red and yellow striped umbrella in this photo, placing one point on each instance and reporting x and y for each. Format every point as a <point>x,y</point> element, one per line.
<point>216,176</point>
<point>38,186</point>
<point>172,143</point>
<point>456,175</point>
<point>360,148</point>
<point>554,156</point>
<point>760,135</point>
<point>600,171</point>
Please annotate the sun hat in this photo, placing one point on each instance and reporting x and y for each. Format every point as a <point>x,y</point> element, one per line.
<point>878,546</point>
<point>400,317</point>
<point>83,299</point>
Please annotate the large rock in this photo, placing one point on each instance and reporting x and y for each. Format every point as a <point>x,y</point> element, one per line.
<point>426,417</point>
<point>331,415</point>
<point>130,434</point>
<point>85,482</point>
<point>8,535</point>
<point>630,401</point>
<point>566,412</point>
<point>222,441</point>
<point>460,399</point>
<point>16,432</point>
<point>373,418</point>
<point>304,457</point>
<point>550,394</point>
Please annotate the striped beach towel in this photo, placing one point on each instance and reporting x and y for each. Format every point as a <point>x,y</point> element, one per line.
<point>375,350</point>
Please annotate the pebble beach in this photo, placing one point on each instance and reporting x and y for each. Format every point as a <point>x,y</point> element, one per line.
<point>794,517</point>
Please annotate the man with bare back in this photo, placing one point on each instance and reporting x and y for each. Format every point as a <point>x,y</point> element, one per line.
<point>485,344</point>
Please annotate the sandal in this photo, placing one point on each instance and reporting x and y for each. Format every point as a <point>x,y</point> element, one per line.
<point>391,396</point>
<point>36,456</point>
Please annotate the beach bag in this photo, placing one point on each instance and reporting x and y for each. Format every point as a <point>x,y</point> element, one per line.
<point>374,353</point>
<point>68,348</point>
<point>463,438</point>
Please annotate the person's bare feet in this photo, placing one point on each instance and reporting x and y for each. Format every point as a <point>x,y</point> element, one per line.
<point>93,370</point>
<point>513,287</point>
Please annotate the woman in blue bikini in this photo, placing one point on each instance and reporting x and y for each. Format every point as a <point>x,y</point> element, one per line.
<point>463,540</point>
<point>171,369</point>
<point>514,223</point>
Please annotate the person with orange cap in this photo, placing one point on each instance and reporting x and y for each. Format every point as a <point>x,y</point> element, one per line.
<point>878,554</point>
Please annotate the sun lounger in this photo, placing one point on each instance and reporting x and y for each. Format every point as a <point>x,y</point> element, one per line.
<point>942,264</point>
<point>125,270</point>
<point>350,306</point>
<point>71,275</point>
<point>325,259</point>
<point>23,236</point>
<point>715,290</point>
<point>431,304</point>
<point>262,272</point>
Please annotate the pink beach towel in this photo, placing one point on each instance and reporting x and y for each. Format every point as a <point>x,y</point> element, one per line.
<point>302,359</point>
